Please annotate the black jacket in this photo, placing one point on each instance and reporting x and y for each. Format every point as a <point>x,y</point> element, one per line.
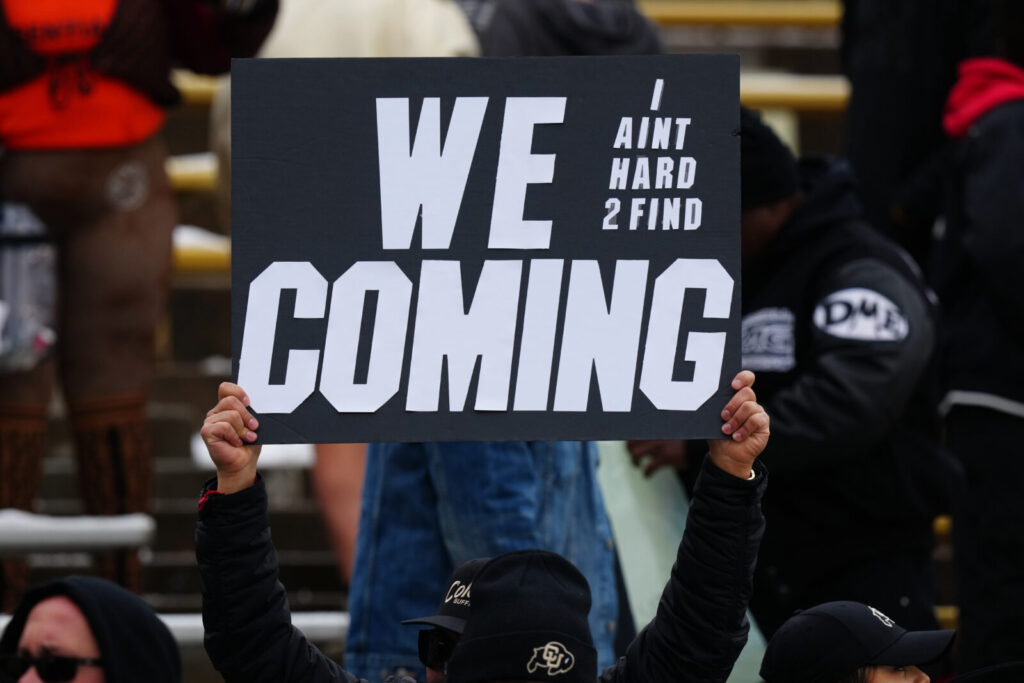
<point>840,330</point>
<point>697,634</point>
<point>976,259</point>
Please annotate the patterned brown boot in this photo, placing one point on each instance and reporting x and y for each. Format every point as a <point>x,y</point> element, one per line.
<point>114,470</point>
<point>22,446</point>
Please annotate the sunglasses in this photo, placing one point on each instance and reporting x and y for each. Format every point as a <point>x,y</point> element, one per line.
<point>435,647</point>
<point>50,667</point>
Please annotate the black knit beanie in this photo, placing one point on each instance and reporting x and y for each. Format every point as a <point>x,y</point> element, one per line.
<point>768,170</point>
<point>528,621</point>
<point>134,643</point>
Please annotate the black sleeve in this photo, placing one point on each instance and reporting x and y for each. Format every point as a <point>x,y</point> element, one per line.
<point>249,635</point>
<point>854,385</point>
<point>993,197</point>
<point>701,623</point>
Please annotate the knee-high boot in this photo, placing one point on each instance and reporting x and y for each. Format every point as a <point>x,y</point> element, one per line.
<point>22,446</point>
<point>114,470</point>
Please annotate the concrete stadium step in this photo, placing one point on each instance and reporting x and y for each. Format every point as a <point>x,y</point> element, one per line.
<point>199,315</point>
<point>175,478</point>
<point>171,578</point>
<point>303,599</point>
<point>296,526</point>
<point>192,383</point>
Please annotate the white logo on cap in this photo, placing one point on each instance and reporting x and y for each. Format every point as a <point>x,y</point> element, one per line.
<point>882,618</point>
<point>554,657</point>
<point>458,593</point>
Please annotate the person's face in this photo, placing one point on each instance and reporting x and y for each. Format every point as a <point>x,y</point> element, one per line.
<point>760,225</point>
<point>898,674</point>
<point>58,628</point>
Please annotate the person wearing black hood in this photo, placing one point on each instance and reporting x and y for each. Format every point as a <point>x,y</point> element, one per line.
<point>83,629</point>
<point>839,329</point>
<point>976,258</point>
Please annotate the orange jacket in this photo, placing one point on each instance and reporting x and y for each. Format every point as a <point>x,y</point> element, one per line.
<point>95,73</point>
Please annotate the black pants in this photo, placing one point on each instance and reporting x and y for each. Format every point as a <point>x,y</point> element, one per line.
<point>988,535</point>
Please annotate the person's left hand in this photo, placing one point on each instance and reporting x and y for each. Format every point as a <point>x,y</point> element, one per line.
<point>228,433</point>
<point>746,428</point>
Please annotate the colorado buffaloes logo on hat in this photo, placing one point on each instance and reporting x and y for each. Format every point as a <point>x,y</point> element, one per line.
<point>554,657</point>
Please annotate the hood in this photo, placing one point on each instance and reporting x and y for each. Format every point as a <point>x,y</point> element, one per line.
<point>564,27</point>
<point>134,643</point>
<point>829,197</point>
<point>984,83</point>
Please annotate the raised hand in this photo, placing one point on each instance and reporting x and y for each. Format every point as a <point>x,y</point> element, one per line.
<point>746,430</point>
<point>228,433</point>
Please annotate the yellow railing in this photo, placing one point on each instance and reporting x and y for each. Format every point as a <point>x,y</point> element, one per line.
<point>194,88</point>
<point>202,260</point>
<point>947,615</point>
<point>759,90</point>
<point>797,92</point>
<point>802,13</point>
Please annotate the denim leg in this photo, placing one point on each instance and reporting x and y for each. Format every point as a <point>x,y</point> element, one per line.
<point>400,565</point>
<point>487,498</point>
<point>502,496</point>
<point>576,526</point>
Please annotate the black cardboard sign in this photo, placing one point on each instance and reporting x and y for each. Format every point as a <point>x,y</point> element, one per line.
<point>486,249</point>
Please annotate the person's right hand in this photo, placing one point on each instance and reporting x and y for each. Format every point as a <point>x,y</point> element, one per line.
<point>227,433</point>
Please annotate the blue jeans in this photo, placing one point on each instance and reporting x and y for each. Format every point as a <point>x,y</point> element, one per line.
<point>428,507</point>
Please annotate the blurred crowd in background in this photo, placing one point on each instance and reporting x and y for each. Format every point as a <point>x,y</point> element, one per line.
<point>916,198</point>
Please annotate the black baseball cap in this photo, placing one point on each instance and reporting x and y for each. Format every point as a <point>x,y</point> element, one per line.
<point>529,623</point>
<point>453,610</point>
<point>824,643</point>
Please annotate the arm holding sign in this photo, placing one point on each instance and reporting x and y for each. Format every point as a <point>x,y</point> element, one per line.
<point>249,635</point>
<point>697,634</point>
<point>701,625</point>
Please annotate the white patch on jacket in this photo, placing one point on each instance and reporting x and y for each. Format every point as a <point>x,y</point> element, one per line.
<point>769,340</point>
<point>861,314</point>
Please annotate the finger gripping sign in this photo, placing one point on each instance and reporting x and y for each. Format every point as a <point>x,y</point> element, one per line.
<point>486,249</point>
